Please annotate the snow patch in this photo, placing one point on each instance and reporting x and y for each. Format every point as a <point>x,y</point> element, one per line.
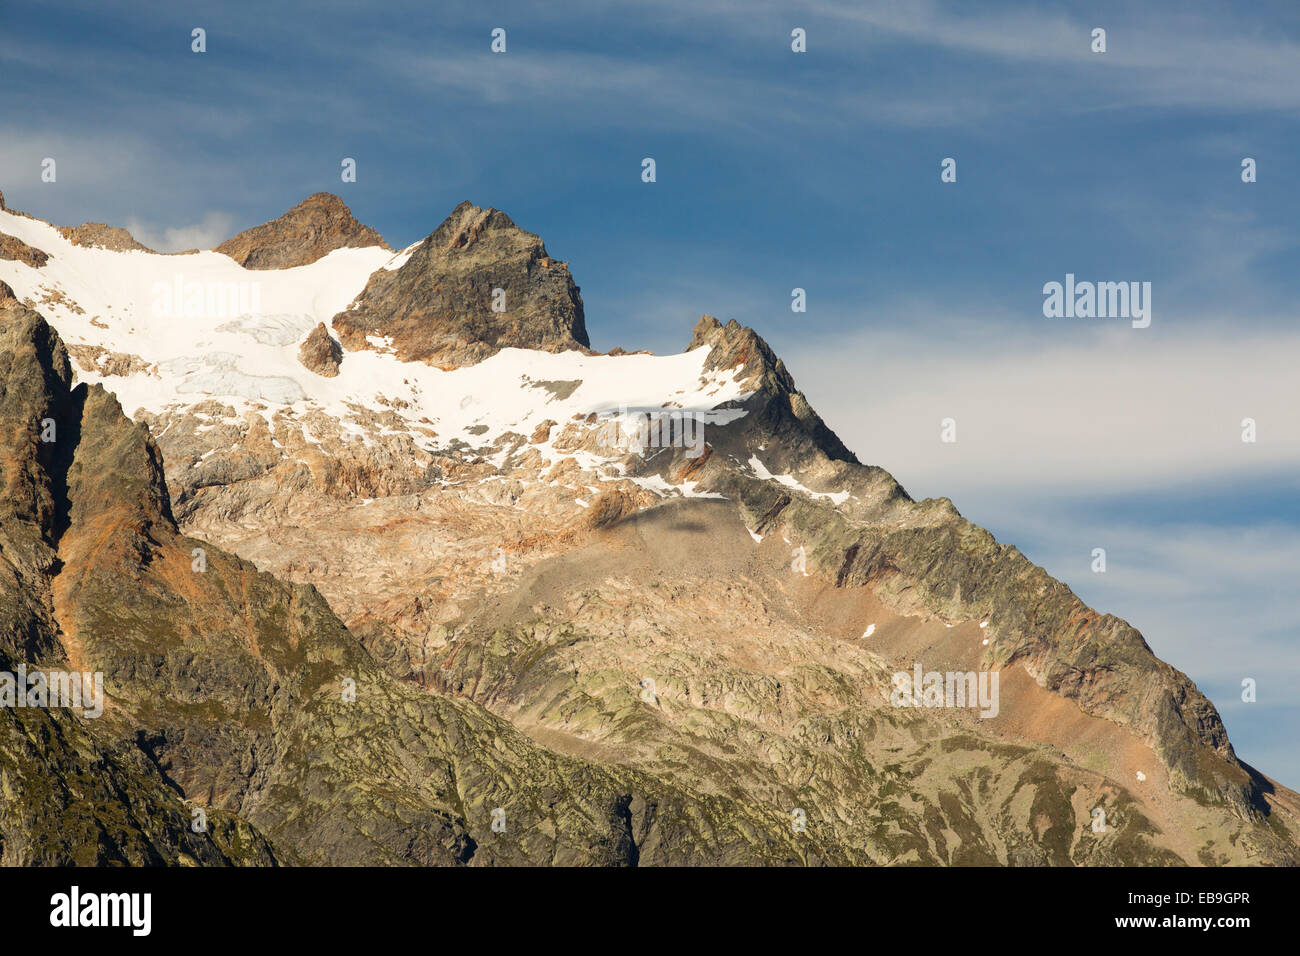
<point>760,471</point>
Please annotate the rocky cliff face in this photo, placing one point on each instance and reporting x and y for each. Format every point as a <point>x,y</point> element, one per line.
<point>233,693</point>
<point>70,795</point>
<point>674,648</point>
<point>477,284</point>
<point>309,231</point>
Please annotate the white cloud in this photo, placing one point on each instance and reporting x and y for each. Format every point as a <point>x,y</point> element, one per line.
<point>1131,409</point>
<point>215,228</point>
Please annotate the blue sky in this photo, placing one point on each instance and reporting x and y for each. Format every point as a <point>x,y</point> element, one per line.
<point>821,171</point>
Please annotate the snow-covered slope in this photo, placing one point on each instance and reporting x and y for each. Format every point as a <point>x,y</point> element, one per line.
<point>203,327</point>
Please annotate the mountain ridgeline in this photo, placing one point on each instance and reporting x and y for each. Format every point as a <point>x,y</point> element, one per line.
<point>370,579</point>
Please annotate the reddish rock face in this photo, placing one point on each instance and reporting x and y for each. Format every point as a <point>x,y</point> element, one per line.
<point>98,235</point>
<point>309,231</point>
<point>476,285</point>
<point>11,247</point>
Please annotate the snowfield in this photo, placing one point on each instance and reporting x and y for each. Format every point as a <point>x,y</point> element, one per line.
<point>206,328</point>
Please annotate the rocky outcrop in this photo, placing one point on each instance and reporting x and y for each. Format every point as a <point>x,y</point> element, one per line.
<point>476,285</point>
<point>785,413</point>
<point>309,231</point>
<point>95,358</point>
<point>320,352</point>
<point>98,235</point>
<point>14,249</point>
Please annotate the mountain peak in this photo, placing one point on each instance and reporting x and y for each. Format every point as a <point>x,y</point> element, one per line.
<point>475,285</point>
<point>309,231</point>
<point>468,223</point>
<point>784,409</point>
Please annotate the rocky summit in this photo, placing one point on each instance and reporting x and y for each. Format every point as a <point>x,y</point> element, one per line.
<point>310,230</point>
<point>477,284</point>
<point>386,565</point>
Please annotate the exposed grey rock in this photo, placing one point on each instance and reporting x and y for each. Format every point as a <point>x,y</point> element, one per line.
<point>438,308</point>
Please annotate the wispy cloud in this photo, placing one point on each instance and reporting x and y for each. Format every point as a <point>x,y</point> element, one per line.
<point>1152,58</point>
